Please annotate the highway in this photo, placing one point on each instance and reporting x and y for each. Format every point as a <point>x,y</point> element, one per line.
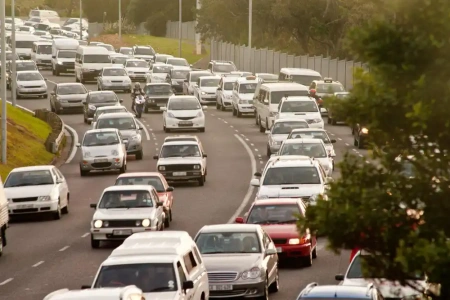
<point>45,255</point>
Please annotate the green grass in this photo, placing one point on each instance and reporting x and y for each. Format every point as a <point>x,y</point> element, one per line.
<point>26,137</point>
<point>161,45</point>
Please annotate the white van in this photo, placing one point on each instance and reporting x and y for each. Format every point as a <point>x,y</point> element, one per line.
<point>89,62</point>
<point>63,55</point>
<point>4,217</point>
<point>24,45</point>
<point>299,75</point>
<point>42,54</point>
<point>268,96</point>
<point>168,261</point>
<point>50,15</point>
<point>119,293</point>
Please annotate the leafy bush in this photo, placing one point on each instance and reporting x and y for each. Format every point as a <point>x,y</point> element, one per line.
<point>127,27</point>
<point>156,24</point>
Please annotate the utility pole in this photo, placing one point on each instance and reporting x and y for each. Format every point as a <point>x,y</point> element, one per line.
<point>198,38</point>
<point>180,25</point>
<point>3,80</point>
<point>13,42</point>
<point>250,16</point>
<point>120,20</point>
<point>81,20</point>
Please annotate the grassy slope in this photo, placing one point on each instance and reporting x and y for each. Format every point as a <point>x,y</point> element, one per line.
<point>26,137</point>
<point>161,45</point>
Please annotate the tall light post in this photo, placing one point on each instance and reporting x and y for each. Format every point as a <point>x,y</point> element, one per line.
<point>81,20</point>
<point>180,25</point>
<point>13,42</point>
<point>120,20</point>
<point>3,79</point>
<point>198,41</point>
<point>250,16</point>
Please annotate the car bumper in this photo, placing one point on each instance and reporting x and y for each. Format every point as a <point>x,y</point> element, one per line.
<point>293,251</point>
<point>44,63</point>
<point>32,207</point>
<point>227,102</point>
<point>246,109</point>
<point>117,87</point>
<point>247,290</point>
<point>182,175</point>
<point>69,106</point>
<point>116,234</point>
<point>138,77</point>
<point>208,99</point>
<point>173,123</point>
<point>31,92</point>
<point>156,105</point>
<point>109,164</point>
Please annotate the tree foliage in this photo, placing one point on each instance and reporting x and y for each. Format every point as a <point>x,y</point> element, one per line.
<point>404,102</point>
<point>94,10</point>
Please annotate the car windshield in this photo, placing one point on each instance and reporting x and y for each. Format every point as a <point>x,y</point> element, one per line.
<point>224,68</point>
<point>27,178</point>
<point>210,82</point>
<point>158,89</point>
<point>161,58</point>
<point>247,88</point>
<point>95,139</point>
<point>275,214</point>
<point>42,26</point>
<point>292,175</point>
<point>149,277</point>
<point>103,98</point>
<point>126,123</point>
<point>329,88</point>
<point>98,113</point>
<point>196,76</point>
<point>154,181</point>
<point>66,54</point>
<point>25,66</point>
<point>24,44</point>
<point>275,97</point>
<point>96,59</point>
<point>114,72</point>
<point>299,106</point>
<point>177,62</point>
<point>25,28</point>
<point>161,69</point>
<point>180,151</point>
<point>126,51</point>
<point>144,51</point>
<point>315,150</point>
<point>179,74</point>
<point>228,242</point>
<point>72,89</point>
<point>304,79</point>
<point>29,77</point>
<point>126,199</point>
<point>44,49</point>
<point>311,135</point>
<point>137,64</point>
<point>355,271</point>
<point>287,127</point>
<point>228,86</point>
<point>184,104</point>
<point>119,60</point>
<point>107,47</point>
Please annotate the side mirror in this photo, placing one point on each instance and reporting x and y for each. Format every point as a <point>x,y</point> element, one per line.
<point>53,56</point>
<point>205,107</point>
<point>59,181</point>
<point>254,182</point>
<point>271,251</point>
<point>155,156</point>
<point>159,204</point>
<point>333,141</point>
<point>163,108</point>
<point>85,287</point>
<point>170,189</point>
<point>78,145</point>
<point>186,80</point>
<point>93,205</point>
<point>188,285</point>
<point>257,174</point>
<point>45,79</point>
<point>121,101</point>
<point>339,277</point>
<point>266,101</point>
<point>239,220</point>
<point>141,128</point>
<point>205,155</point>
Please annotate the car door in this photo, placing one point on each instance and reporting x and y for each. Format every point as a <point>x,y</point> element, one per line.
<point>181,270</point>
<point>271,261</point>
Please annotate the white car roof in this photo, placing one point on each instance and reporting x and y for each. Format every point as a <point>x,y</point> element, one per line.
<point>307,129</point>
<point>299,71</point>
<point>31,71</point>
<point>290,120</point>
<point>230,228</point>
<point>284,86</point>
<point>101,130</point>
<point>33,168</point>
<point>110,107</point>
<point>298,98</point>
<point>303,141</point>
<point>129,188</point>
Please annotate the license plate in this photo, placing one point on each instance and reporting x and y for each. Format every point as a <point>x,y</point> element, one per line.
<point>279,249</point>
<point>25,206</point>
<point>122,232</point>
<point>179,173</point>
<point>226,287</point>
<point>100,160</point>
<point>185,123</point>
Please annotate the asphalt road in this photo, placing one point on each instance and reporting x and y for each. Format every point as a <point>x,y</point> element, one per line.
<point>44,255</point>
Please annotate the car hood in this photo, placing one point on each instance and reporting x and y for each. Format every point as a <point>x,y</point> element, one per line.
<point>116,78</point>
<point>185,113</point>
<point>209,89</point>
<point>179,160</point>
<point>124,213</point>
<point>302,116</point>
<point>279,137</point>
<point>99,150</point>
<point>137,69</point>
<point>72,97</point>
<point>129,133</point>
<point>288,191</point>
<point>29,191</point>
<point>159,75</point>
<point>389,289</point>
<point>163,296</point>
<point>281,230</point>
<point>237,262</point>
<point>31,83</point>
<point>246,96</point>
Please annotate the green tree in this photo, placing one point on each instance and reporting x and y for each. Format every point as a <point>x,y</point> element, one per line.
<point>404,101</point>
<point>94,10</point>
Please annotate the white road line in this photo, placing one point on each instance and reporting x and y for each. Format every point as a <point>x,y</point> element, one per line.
<point>243,135</point>
<point>225,122</point>
<point>347,144</point>
<point>231,126</point>
<point>332,134</point>
<point>157,149</point>
<point>64,248</point>
<point>74,149</point>
<point>85,235</point>
<point>355,150</point>
<point>252,144</point>
<point>150,129</point>
<point>260,161</point>
<point>259,155</point>
<point>367,162</point>
<point>38,264</point>
<point>145,130</point>
<point>6,281</point>
<point>247,139</point>
<point>361,155</point>
<point>256,149</point>
<point>339,139</point>
<point>144,121</point>
<point>250,188</point>
<point>236,130</point>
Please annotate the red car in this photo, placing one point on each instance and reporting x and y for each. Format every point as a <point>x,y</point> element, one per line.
<point>155,179</point>
<point>278,217</point>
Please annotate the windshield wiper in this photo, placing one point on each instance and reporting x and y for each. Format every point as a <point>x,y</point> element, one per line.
<point>42,183</point>
<point>287,221</point>
<point>20,184</point>
<point>159,289</point>
<point>140,206</point>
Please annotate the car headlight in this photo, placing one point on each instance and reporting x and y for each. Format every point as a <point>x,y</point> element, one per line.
<point>92,107</point>
<point>364,130</point>
<point>136,137</point>
<point>170,115</point>
<point>98,223</point>
<point>44,198</point>
<point>197,167</point>
<point>162,168</point>
<point>253,273</point>
<point>294,241</point>
<point>203,93</point>
<point>115,152</point>
<point>199,115</point>
<point>87,154</point>
<point>146,223</point>
<point>273,114</point>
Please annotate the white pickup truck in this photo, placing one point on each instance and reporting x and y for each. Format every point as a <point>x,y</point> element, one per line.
<point>4,217</point>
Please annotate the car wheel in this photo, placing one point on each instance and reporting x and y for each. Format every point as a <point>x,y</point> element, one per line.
<point>314,253</point>
<point>166,222</point>
<point>269,153</point>
<point>261,128</point>
<point>57,213</point>
<point>1,246</point>
<point>57,73</point>
<point>166,130</point>
<point>139,155</point>
<point>201,181</point>
<point>170,215</point>
<point>202,129</point>
<point>275,286</point>
<point>333,122</point>
<point>329,120</point>
<point>355,142</point>
<point>217,105</point>
<point>65,209</point>
<point>308,259</point>
<point>256,119</point>
<point>95,244</point>
<point>123,169</point>
<point>238,114</point>
<point>83,172</point>
<point>233,110</point>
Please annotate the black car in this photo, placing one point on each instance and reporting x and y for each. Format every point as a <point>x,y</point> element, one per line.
<point>176,79</point>
<point>156,96</point>
<point>360,135</point>
<point>98,99</point>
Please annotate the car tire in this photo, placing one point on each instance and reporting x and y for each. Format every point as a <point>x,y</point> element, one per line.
<point>308,260</point>
<point>268,153</point>
<point>166,130</point>
<point>256,119</point>
<point>217,105</point>
<point>202,129</point>
<point>65,210</point>
<point>314,253</point>
<point>261,128</point>
<point>139,155</point>
<point>95,244</point>
<point>333,122</point>
<point>146,110</point>
<point>123,169</point>
<point>166,222</point>
<point>1,246</point>
<point>355,142</point>
<point>266,291</point>
<point>201,181</point>
<point>238,114</point>
<point>57,214</point>
<point>83,173</point>
<point>275,286</point>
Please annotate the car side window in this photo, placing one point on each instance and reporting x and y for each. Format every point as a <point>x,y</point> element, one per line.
<point>197,255</point>
<point>189,262</point>
<point>181,273</point>
<point>155,198</point>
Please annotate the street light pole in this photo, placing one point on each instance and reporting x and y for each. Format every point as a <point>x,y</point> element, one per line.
<point>81,20</point>
<point>180,25</point>
<point>250,16</point>
<point>13,42</point>
<point>3,79</point>
<point>198,42</point>
<point>120,20</point>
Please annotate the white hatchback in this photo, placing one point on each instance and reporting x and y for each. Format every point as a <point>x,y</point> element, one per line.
<point>300,107</point>
<point>183,112</point>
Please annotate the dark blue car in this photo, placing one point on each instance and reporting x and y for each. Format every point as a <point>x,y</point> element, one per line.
<point>332,292</point>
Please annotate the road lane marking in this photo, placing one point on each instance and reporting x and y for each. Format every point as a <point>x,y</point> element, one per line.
<point>85,235</point>
<point>231,126</point>
<point>38,264</point>
<point>252,144</point>
<point>145,130</point>
<point>64,248</point>
<point>225,122</point>
<point>250,188</point>
<point>347,144</point>
<point>339,139</point>
<point>6,281</point>
<point>361,155</point>
<point>256,149</point>
<point>74,149</point>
